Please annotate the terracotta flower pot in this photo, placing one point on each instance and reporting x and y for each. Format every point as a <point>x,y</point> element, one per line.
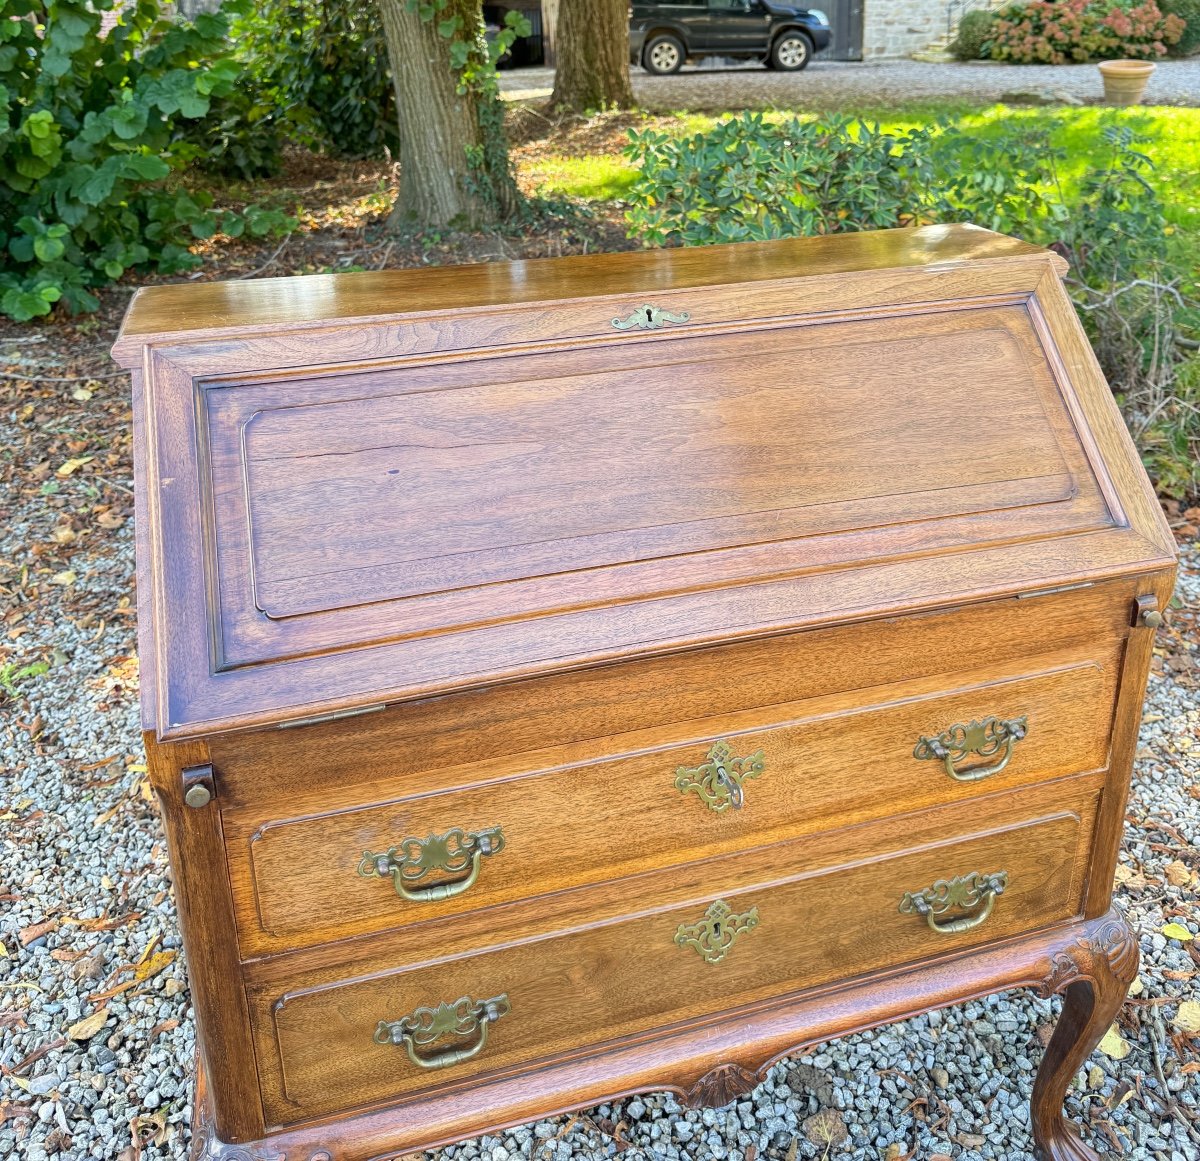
<point>1125,80</point>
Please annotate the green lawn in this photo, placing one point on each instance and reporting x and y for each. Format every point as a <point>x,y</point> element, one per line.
<point>1173,146</point>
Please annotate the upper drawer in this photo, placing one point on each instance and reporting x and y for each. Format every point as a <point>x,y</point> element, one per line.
<point>736,782</point>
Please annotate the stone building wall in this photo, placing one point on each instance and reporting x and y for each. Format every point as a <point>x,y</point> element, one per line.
<point>893,28</point>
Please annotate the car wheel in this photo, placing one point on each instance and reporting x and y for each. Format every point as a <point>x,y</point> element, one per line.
<point>791,52</point>
<point>664,55</point>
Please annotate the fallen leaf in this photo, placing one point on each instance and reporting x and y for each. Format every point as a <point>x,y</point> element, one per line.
<point>64,534</point>
<point>110,521</point>
<point>81,395</point>
<point>825,1128</point>
<point>4,951</point>
<point>66,577</point>
<point>1188,1016</point>
<point>1114,1045</point>
<point>71,466</point>
<point>1178,931</point>
<point>1178,873</point>
<point>36,931</point>
<point>86,1028</point>
<point>156,963</point>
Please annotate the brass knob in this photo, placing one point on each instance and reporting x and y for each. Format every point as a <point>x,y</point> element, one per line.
<point>198,796</point>
<point>1152,619</point>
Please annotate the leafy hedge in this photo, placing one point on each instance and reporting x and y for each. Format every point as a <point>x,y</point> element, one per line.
<point>89,131</point>
<point>750,178</point>
<point>1062,31</point>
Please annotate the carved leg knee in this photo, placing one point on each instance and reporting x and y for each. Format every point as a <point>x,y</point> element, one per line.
<point>1094,975</point>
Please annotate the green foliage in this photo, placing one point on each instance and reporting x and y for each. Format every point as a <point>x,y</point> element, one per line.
<point>974,31</point>
<point>12,675</point>
<point>323,64</point>
<point>1170,442</point>
<point>240,135</point>
<point>752,179</point>
<point>88,132</point>
<point>1063,31</point>
<point>1189,12</point>
<point>749,178</point>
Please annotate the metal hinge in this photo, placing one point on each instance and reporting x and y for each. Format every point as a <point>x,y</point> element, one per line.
<point>1056,589</point>
<point>336,715</point>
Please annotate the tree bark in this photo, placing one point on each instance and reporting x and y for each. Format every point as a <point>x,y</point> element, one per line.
<point>454,165</point>
<point>592,50</point>
<point>550,31</point>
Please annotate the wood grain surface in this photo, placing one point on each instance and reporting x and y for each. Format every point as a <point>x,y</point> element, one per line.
<point>432,549</point>
<point>613,980</point>
<point>826,764</point>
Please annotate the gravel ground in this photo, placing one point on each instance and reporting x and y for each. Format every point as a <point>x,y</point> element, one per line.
<point>842,84</point>
<point>96,1034</point>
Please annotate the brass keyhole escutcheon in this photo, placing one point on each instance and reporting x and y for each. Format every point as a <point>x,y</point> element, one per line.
<point>713,936</point>
<point>719,782</point>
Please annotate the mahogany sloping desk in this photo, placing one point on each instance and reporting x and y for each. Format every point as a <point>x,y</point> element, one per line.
<point>570,678</point>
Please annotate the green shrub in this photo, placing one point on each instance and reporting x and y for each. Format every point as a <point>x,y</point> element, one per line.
<point>1061,31</point>
<point>1170,442</point>
<point>88,132</point>
<point>753,179</point>
<point>974,31</point>
<point>239,136</point>
<point>1189,12</point>
<point>324,65</point>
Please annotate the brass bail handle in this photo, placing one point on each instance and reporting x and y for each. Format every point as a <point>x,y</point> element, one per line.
<point>453,852</point>
<point>422,1027</point>
<point>974,890</point>
<point>984,739</point>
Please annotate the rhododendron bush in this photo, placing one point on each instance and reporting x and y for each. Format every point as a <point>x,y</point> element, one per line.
<point>1066,31</point>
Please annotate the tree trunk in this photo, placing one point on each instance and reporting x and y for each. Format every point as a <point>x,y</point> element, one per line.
<point>550,31</point>
<point>454,165</point>
<point>592,50</point>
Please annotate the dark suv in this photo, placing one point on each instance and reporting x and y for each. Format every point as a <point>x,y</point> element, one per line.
<point>783,36</point>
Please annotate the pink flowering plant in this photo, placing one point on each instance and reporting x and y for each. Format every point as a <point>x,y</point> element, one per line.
<point>1074,31</point>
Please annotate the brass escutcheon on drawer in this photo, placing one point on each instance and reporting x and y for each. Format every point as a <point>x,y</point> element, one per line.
<point>973,890</point>
<point>713,936</point>
<point>453,852</point>
<point>424,1026</point>
<point>985,739</point>
<point>719,780</point>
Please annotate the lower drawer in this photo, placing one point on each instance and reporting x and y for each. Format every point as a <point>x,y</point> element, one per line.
<point>329,1045</point>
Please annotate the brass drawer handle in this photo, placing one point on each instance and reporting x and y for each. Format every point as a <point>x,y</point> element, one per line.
<point>714,935</point>
<point>424,1026</point>
<point>719,780</point>
<point>986,739</point>
<point>973,890</point>
<point>453,852</point>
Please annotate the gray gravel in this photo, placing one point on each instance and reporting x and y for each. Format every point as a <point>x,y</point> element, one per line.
<point>84,855</point>
<point>846,84</point>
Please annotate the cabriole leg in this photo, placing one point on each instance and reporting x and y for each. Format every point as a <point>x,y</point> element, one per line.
<point>1093,975</point>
